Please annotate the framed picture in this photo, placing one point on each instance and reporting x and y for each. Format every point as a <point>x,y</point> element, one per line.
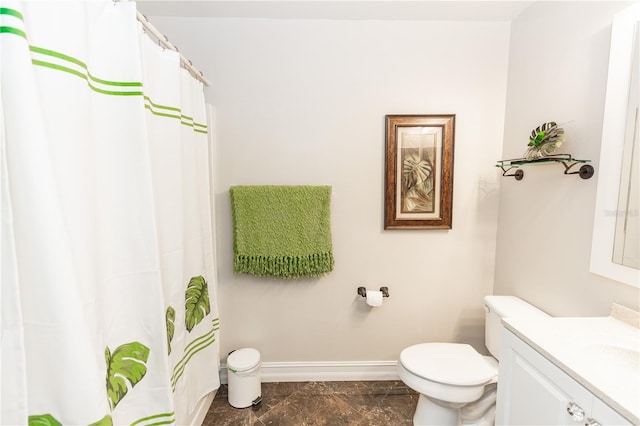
<point>419,171</point>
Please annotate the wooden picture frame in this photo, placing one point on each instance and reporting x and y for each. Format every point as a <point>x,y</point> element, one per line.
<point>419,171</point>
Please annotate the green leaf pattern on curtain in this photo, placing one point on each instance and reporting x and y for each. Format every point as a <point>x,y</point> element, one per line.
<point>171,318</point>
<point>105,421</point>
<point>43,420</point>
<point>49,420</point>
<point>196,302</point>
<point>127,363</point>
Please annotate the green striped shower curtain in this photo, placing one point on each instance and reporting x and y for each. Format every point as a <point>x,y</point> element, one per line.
<point>108,294</point>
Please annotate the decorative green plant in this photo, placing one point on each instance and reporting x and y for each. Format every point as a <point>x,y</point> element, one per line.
<point>196,302</point>
<point>544,140</point>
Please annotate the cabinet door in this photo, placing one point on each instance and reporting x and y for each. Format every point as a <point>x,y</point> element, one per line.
<point>532,391</point>
<point>606,415</point>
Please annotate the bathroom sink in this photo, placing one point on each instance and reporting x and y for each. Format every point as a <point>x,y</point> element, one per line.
<point>623,358</point>
<point>606,353</point>
<point>620,346</point>
<point>621,361</point>
<point>601,353</point>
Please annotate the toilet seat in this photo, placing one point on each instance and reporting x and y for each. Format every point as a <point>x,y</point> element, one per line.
<point>455,364</point>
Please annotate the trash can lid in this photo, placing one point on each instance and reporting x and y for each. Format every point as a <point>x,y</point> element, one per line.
<point>243,359</point>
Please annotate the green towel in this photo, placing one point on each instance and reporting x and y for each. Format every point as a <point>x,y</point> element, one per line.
<point>282,231</point>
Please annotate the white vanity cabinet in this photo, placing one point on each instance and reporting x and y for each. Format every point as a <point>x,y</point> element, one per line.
<point>605,415</point>
<point>534,391</point>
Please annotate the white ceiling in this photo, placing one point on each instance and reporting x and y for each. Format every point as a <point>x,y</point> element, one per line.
<point>452,10</point>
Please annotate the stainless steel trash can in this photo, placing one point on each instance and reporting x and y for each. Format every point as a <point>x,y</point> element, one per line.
<point>243,374</point>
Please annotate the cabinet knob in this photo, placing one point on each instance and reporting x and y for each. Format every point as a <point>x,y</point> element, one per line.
<point>592,422</point>
<point>575,411</point>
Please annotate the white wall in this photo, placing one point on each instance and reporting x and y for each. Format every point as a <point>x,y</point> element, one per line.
<point>557,72</point>
<point>303,102</point>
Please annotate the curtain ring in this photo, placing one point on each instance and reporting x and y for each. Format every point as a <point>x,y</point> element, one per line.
<point>162,43</point>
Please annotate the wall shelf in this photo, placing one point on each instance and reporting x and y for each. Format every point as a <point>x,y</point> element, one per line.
<point>585,170</point>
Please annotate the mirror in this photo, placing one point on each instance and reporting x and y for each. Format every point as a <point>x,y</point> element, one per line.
<point>626,237</point>
<point>616,236</point>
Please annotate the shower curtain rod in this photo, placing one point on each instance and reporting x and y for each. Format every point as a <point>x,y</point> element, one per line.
<point>196,73</point>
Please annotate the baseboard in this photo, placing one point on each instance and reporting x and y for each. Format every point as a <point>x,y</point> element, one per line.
<point>323,371</point>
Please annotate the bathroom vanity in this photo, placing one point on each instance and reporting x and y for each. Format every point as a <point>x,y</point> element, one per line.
<point>570,371</point>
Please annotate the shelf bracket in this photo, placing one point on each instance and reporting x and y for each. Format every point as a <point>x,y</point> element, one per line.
<point>585,171</point>
<point>518,174</point>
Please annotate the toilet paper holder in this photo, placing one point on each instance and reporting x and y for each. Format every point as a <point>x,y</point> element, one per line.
<point>362,291</point>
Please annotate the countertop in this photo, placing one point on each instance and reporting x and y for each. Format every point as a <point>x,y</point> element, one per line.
<point>600,353</point>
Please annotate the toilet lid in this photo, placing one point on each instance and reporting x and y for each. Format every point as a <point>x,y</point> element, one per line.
<point>447,363</point>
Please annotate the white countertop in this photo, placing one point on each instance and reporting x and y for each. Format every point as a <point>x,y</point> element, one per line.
<point>602,354</point>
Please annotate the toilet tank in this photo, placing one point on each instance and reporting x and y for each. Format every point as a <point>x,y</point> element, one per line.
<point>498,307</point>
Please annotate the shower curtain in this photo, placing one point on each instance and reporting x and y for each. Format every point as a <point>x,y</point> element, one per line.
<point>108,295</point>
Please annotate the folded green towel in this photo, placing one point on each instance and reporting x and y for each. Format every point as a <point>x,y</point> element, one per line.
<point>282,231</point>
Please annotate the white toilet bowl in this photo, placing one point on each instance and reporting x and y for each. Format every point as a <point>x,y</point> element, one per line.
<point>448,376</point>
<point>457,385</point>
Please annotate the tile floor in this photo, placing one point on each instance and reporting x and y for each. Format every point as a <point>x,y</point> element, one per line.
<point>360,403</point>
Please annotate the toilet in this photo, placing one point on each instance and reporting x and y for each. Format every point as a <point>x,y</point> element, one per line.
<point>457,385</point>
